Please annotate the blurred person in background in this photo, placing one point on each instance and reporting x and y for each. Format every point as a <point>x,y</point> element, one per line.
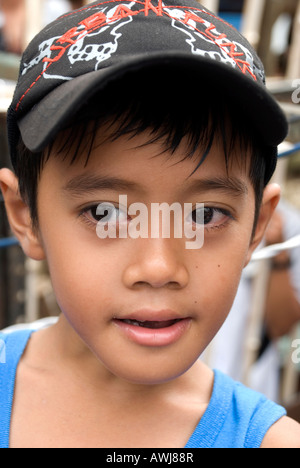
<point>76,4</point>
<point>282,311</point>
<point>283,302</point>
<point>12,15</point>
<point>12,21</point>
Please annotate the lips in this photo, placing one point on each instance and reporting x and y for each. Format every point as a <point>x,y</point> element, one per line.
<point>153,329</point>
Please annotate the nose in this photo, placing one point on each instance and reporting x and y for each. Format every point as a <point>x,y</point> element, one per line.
<point>157,263</point>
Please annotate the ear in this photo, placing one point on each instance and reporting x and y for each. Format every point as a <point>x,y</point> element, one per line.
<point>19,216</point>
<point>270,201</point>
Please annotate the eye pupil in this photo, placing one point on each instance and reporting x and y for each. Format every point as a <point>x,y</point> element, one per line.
<point>204,215</point>
<point>99,217</point>
<point>208,215</point>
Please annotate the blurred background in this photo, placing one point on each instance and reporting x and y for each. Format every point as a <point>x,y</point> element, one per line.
<point>256,343</point>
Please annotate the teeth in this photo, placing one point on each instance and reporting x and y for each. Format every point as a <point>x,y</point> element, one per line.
<point>152,325</point>
<point>133,322</point>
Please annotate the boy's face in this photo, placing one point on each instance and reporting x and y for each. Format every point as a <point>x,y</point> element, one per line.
<point>106,288</point>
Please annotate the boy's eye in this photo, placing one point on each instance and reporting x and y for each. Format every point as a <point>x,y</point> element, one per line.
<point>210,217</point>
<point>106,212</point>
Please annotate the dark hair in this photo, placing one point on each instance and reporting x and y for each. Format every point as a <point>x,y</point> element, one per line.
<point>171,107</point>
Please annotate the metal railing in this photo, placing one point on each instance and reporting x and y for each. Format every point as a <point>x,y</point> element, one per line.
<point>8,242</point>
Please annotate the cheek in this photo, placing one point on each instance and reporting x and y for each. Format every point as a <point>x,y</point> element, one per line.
<point>87,279</point>
<point>83,274</point>
<point>217,276</point>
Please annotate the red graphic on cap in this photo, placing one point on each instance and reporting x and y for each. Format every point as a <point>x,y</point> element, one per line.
<point>189,18</point>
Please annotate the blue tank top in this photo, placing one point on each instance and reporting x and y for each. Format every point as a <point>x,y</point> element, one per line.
<point>236,417</point>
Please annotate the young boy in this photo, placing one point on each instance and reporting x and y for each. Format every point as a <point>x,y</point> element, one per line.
<point>121,106</point>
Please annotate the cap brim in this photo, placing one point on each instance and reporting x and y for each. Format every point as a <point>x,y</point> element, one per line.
<point>40,126</point>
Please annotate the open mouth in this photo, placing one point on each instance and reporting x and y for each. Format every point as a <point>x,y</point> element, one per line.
<point>153,333</point>
<point>151,325</point>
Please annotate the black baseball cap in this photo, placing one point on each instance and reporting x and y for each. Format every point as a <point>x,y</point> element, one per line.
<point>82,52</point>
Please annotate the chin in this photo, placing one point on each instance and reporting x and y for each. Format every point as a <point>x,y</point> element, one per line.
<point>150,373</point>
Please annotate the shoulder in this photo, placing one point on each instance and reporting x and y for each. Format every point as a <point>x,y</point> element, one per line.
<point>248,415</point>
<point>283,434</point>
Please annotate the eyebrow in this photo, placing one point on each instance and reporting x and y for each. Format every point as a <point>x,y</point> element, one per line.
<point>89,183</point>
<point>229,185</point>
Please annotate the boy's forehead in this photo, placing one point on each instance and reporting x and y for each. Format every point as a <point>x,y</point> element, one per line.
<point>133,164</point>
